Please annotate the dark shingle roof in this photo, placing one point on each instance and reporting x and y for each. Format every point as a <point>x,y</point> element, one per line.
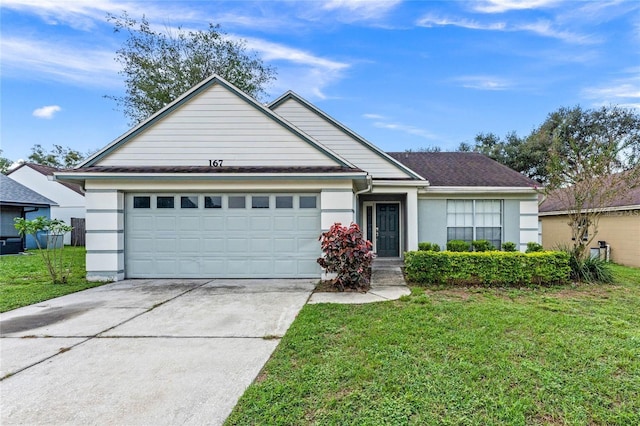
<point>462,169</point>
<point>14,193</point>
<point>48,171</point>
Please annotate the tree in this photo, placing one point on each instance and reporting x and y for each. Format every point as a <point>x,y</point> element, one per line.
<point>593,159</point>
<point>59,157</point>
<point>159,66</point>
<point>4,164</point>
<point>52,252</point>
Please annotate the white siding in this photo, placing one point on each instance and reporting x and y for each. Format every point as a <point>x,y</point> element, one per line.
<point>338,141</point>
<point>217,125</point>
<point>70,203</point>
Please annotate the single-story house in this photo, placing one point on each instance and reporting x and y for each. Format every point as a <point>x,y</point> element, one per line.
<point>16,201</point>
<point>68,197</point>
<point>618,227</point>
<point>218,185</point>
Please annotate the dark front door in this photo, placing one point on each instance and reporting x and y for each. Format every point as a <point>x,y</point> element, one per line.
<point>388,230</point>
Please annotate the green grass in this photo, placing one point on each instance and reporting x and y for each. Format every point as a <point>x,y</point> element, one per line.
<point>24,279</point>
<point>567,355</point>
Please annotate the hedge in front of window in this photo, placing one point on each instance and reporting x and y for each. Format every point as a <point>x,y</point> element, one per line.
<point>494,268</point>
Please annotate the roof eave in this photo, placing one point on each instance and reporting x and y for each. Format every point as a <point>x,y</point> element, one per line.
<point>91,160</point>
<point>292,95</point>
<point>480,190</point>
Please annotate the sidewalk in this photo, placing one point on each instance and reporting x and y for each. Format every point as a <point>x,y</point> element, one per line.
<point>387,283</point>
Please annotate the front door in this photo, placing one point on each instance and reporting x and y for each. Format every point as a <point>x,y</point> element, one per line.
<point>388,230</point>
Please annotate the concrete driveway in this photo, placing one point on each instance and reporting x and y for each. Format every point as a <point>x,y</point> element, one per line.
<point>142,351</point>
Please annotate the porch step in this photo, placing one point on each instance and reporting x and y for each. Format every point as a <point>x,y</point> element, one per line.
<point>387,273</point>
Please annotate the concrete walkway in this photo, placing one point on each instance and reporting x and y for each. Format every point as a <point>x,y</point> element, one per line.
<point>387,283</point>
<point>142,352</point>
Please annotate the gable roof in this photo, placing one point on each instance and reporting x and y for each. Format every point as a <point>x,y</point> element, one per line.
<point>554,201</point>
<point>462,169</point>
<point>49,171</point>
<point>15,194</point>
<point>191,93</point>
<point>290,95</point>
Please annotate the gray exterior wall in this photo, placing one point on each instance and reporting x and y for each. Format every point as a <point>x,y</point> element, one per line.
<point>432,218</point>
<point>432,221</point>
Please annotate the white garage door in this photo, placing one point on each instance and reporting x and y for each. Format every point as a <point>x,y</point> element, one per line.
<point>222,235</point>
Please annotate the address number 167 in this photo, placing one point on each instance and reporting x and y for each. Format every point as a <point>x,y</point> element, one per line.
<point>215,163</point>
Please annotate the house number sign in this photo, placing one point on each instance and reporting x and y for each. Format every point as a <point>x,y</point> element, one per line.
<point>215,163</point>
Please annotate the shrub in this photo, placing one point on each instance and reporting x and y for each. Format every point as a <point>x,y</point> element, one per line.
<point>482,245</point>
<point>347,254</point>
<point>533,247</point>
<point>428,246</point>
<point>509,246</point>
<point>458,246</point>
<point>52,257</point>
<point>588,269</point>
<point>487,268</point>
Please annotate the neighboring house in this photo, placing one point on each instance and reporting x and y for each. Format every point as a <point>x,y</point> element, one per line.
<point>219,185</point>
<point>17,200</point>
<point>618,227</point>
<point>68,197</point>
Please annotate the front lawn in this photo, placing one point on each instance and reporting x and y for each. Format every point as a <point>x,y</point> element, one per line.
<point>567,355</point>
<point>24,279</point>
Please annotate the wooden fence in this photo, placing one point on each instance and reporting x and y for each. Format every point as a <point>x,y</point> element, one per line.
<point>78,232</point>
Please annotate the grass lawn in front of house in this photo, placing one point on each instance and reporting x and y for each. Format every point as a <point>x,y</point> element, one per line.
<point>24,279</point>
<point>472,356</point>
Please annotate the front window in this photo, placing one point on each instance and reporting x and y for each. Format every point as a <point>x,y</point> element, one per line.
<point>470,220</point>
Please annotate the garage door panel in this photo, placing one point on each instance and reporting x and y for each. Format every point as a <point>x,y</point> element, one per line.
<point>142,245</point>
<point>261,246</point>
<point>284,223</point>
<point>142,223</point>
<point>190,246</point>
<point>238,223</point>
<point>189,223</point>
<point>308,223</point>
<point>284,245</point>
<point>221,242</point>
<point>213,245</point>
<point>260,267</point>
<point>307,267</point>
<point>165,223</point>
<point>165,266</point>
<point>215,223</point>
<point>213,267</point>
<point>238,245</point>
<point>187,267</point>
<point>165,245</point>
<point>260,223</point>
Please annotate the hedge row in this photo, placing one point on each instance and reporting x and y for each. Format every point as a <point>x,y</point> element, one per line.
<point>487,268</point>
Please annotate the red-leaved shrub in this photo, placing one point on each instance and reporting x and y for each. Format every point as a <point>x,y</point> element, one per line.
<point>347,254</point>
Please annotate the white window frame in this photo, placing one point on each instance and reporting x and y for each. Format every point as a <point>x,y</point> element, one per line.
<point>474,220</point>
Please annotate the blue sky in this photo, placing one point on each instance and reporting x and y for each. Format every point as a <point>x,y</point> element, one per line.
<point>404,75</point>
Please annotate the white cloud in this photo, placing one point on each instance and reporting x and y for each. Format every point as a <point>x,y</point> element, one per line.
<point>623,91</point>
<point>85,14</point>
<point>382,122</point>
<point>46,112</point>
<point>546,29</point>
<point>302,71</point>
<point>75,64</point>
<point>374,116</point>
<point>481,82</point>
<point>356,10</point>
<point>541,28</point>
<point>500,6</point>
<point>433,21</point>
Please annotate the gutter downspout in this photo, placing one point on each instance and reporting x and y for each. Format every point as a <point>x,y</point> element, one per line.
<point>369,186</point>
